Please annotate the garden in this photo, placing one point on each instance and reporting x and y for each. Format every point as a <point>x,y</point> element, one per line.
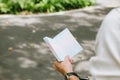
<point>41,6</point>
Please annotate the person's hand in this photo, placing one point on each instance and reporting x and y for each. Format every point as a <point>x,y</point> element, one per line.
<point>65,66</point>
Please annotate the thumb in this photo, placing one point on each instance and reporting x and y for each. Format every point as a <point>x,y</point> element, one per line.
<point>70,60</point>
<point>67,58</point>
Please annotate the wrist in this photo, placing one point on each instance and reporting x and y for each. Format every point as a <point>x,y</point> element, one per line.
<point>69,71</point>
<point>74,76</point>
<point>71,75</point>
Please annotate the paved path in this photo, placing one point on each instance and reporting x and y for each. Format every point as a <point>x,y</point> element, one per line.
<point>25,56</point>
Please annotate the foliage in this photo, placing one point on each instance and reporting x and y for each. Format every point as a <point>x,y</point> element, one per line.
<point>35,6</point>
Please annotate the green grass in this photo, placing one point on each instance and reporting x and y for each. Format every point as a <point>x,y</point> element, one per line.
<point>41,6</point>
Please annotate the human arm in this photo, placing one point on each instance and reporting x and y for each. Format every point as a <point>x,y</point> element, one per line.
<point>106,64</point>
<point>65,67</point>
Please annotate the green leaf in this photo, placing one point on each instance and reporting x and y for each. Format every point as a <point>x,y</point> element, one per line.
<point>51,9</point>
<point>3,8</point>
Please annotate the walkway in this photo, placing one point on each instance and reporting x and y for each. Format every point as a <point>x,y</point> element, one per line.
<point>25,56</point>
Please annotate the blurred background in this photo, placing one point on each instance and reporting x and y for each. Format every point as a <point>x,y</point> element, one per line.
<point>37,6</point>
<point>23,24</point>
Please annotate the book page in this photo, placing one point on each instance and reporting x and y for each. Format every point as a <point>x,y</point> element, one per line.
<point>63,44</point>
<point>52,46</point>
<point>66,44</point>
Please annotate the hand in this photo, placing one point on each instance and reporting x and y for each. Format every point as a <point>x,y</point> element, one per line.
<point>65,66</point>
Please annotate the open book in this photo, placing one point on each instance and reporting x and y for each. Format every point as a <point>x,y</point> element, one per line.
<point>63,44</point>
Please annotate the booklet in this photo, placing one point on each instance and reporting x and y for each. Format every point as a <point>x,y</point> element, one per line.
<point>63,44</point>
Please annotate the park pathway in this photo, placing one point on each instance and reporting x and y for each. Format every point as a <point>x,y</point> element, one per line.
<point>25,56</point>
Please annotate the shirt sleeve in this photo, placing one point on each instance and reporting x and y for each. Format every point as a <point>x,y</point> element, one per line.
<point>106,64</point>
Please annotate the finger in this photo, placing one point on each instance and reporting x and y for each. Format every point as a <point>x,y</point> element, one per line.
<point>67,58</point>
<point>55,62</point>
<point>72,61</point>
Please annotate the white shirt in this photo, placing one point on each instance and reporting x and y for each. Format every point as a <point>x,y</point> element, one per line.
<point>106,64</point>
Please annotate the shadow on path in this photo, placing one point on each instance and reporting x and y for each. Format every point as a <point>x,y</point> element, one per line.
<point>25,56</point>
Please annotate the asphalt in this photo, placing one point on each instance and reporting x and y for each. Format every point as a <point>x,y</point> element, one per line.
<point>25,56</point>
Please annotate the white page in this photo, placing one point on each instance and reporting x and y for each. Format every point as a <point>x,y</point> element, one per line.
<point>67,44</point>
<point>63,44</point>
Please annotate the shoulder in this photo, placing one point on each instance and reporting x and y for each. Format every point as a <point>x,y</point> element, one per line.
<point>111,21</point>
<point>110,27</point>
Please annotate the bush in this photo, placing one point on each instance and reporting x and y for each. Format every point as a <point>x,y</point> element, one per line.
<point>36,6</point>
